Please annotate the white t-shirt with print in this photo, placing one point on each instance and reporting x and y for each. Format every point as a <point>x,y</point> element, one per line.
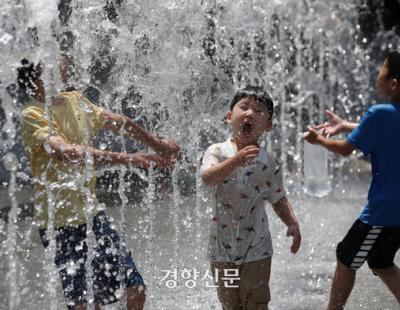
<point>239,229</point>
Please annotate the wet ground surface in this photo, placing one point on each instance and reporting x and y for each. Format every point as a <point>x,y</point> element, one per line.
<point>165,237</point>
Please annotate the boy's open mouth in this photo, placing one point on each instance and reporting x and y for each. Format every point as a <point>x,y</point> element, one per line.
<point>247,128</point>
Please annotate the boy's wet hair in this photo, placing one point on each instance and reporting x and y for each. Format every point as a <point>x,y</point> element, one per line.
<point>258,94</point>
<point>393,65</point>
<point>27,76</point>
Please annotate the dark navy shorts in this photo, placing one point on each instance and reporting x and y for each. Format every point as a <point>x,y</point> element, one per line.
<point>112,264</point>
<point>375,244</point>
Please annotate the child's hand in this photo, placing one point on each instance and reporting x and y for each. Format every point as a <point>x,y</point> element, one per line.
<point>144,160</point>
<point>247,154</point>
<point>311,136</point>
<point>335,125</point>
<point>294,231</point>
<point>168,148</point>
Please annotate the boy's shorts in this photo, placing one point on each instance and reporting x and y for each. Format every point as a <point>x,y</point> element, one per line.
<point>375,244</point>
<point>112,262</point>
<point>243,287</point>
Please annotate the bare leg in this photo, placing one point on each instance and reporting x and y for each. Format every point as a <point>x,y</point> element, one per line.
<point>135,297</point>
<point>342,285</point>
<point>391,277</point>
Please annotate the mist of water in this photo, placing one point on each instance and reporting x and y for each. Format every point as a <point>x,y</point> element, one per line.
<point>174,66</point>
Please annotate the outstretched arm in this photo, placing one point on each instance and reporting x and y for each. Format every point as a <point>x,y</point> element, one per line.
<point>341,147</point>
<point>285,212</point>
<point>57,147</point>
<point>335,125</point>
<point>116,122</point>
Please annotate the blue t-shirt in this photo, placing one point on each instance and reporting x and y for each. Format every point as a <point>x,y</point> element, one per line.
<point>378,134</point>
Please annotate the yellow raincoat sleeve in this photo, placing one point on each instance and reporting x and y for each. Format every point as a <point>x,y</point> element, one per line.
<point>35,128</point>
<point>96,115</point>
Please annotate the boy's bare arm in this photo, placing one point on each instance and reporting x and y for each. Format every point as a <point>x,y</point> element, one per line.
<point>115,122</point>
<point>349,126</point>
<point>341,147</point>
<point>285,212</point>
<point>219,172</point>
<point>77,153</point>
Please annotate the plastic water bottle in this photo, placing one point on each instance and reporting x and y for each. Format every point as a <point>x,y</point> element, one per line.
<point>317,181</point>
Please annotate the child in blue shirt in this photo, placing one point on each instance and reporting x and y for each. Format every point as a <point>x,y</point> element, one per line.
<point>375,236</point>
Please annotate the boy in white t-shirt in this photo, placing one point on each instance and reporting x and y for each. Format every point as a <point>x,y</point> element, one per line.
<point>245,176</point>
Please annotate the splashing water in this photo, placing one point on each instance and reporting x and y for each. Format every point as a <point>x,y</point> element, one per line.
<point>173,66</point>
